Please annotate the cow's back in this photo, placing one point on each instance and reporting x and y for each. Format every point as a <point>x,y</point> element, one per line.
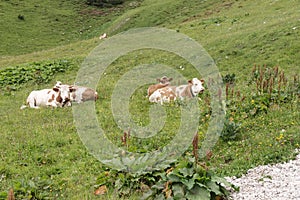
<point>165,94</point>
<point>89,94</point>
<point>153,88</point>
<point>40,97</point>
<point>183,91</point>
<point>82,94</point>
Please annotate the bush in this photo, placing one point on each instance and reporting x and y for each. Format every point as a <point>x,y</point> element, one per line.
<point>230,130</point>
<point>181,180</point>
<point>13,78</point>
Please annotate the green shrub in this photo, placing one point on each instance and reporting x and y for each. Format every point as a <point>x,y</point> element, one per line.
<point>13,78</point>
<point>231,130</point>
<point>187,180</point>
<point>181,180</point>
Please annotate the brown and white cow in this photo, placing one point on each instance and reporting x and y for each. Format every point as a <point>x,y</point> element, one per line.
<point>55,97</point>
<point>163,82</point>
<point>80,94</point>
<point>171,93</point>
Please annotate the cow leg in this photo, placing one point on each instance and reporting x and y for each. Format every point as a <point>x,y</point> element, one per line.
<point>51,104</point>
<point>32,102</point>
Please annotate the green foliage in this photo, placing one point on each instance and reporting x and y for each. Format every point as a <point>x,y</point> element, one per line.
<point>30,26</point>
<point>272,88</point>
<point>38,188</point>
<point>187,180</point>
<point>13,78</point>
<point>229,78</point>
<point>269,89</point>
<point>44,143</point>
<point>183,179</point>
<point>230,130</point>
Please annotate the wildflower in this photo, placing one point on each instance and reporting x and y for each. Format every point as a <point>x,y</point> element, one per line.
<point>252,101</point>
<point>280,137</point>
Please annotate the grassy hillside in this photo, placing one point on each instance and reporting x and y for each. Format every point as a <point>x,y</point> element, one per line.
<point>30,26</point>
<point>41,154</point>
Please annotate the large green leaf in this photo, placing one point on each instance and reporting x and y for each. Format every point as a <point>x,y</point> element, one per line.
<point>187,171</point>
<point>178,191</point>
<point>198,193</point>
<point>214,187</point>
<point>174,177</point>
<point>189,183</point>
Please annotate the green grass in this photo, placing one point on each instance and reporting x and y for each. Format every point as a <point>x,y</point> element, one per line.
<point>49,24</point>
<point>40,149</point>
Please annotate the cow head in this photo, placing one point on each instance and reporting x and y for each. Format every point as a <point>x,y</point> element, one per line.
<point>196,86</point>
<point>63,94</point>
<point>164,80</point>
<point>58,83</point>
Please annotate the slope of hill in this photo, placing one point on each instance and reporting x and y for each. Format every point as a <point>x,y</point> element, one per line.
<point>41,154</point>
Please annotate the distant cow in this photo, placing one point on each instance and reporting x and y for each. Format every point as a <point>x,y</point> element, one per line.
<point>171,93</point>
<point>80,94</point>
<point>163,82</point>
<point>58,96</point>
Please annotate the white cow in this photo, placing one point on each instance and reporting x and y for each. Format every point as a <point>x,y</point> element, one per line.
<point>171,93</point>
<point>80,94</point>
<point>55,97</point>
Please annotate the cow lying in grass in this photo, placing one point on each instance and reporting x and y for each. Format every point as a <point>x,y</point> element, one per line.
<point>80,94</point>
<point>58,96</point>
<point>163,82</point>
<point>171,93</point>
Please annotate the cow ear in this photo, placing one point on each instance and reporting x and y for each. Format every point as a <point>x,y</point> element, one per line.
<point>190,81</point>
<point>202,81</point>
<point>71,89</point>
<point>58,83</point>
<point>170,79</point>
<point>55,89</point>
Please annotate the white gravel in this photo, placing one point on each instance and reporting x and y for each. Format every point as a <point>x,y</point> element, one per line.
<point>277,182</point>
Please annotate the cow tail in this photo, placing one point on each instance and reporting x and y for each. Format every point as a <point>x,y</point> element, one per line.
<point>23,107</point>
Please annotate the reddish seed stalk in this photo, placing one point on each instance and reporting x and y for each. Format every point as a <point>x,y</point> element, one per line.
<point>253,69</point>
<point>220,94</point>
<point>125,137</point>
<point>243,98</point>
<point>265,86</point>
<point>195,146</point>
<point>227,88</point>
<point>271,85</point>
<point>276,72</point>
<point>238,94</point>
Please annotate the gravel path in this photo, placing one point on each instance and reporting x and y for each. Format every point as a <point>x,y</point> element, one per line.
<point>276,182</point>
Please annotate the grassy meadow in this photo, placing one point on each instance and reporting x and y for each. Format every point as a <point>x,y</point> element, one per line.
<point>251,42</point>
